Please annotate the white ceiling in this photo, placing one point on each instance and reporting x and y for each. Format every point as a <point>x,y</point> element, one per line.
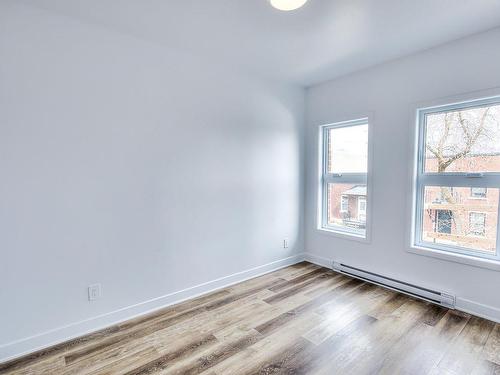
<point>322,40</point>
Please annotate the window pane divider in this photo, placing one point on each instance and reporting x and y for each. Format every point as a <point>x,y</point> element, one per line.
<point>487,181</point>
<point>346,179</point>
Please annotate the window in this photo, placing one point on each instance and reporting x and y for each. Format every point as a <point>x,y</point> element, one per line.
<point>444,221</point>
<point>344,204</point>
<point>477,223</point>
<point>478,193</point>
<point>344,178</point>
<point>458,179</point>
<point>362,209</point>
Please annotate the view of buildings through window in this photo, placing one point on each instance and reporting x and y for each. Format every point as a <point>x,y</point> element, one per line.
<point>462,148</point>
<point>453,216</point>
<point>347,205</point>
<point>457,183</point>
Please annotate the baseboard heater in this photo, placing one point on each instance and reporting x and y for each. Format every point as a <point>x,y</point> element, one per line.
<point>440,298</point>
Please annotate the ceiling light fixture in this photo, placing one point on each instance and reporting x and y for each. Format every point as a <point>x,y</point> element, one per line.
<point>287,4</point>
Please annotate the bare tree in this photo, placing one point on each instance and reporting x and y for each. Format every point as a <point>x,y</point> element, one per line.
<point>447,153</point>
<point>455,138</point>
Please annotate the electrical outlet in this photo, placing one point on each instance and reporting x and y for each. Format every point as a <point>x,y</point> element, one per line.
<point>95,292</point>
<point>285,243</point>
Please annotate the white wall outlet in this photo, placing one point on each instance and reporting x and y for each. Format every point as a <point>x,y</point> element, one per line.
<point>95,292</point>
<point>285,243</point>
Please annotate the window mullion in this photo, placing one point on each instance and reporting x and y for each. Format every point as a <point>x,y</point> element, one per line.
<point>353,178</point>
<point>487,181</point>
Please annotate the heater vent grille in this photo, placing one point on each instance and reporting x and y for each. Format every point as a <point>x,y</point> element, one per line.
<point>437,297</point>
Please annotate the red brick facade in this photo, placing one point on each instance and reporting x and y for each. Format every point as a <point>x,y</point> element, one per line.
<point>463,216</point>
<point>347,205</point>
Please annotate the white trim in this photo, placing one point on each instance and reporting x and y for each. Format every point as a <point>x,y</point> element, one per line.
<point>456,257</point>
<point>343,234</point>
<point>462,304</point>
<point>58,335</point>
<point>320,261</point>
<point>478,309</point>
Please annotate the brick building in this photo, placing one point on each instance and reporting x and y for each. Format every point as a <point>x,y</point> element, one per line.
<point>347,205</point>
<point>458,216</point>
<point>463,216</point>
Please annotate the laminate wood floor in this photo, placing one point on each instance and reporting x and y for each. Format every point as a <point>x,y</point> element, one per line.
<point>303,319</point>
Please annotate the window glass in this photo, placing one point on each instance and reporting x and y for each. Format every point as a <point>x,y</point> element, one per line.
<point>452,217</point>
<point>348,149</point>
<point>346,207</point>
<point>466,140</point>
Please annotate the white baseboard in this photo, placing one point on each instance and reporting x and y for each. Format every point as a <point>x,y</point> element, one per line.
<point>462,304</point>
<point>320,261</point>
<point>478,309</point>
<point>58,335</point>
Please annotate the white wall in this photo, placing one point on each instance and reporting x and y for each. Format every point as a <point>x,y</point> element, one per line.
<point>389,92</point>
<point>126,164</point>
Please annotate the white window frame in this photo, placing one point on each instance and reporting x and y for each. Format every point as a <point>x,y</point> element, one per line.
<point>342,178</point>
<point>450,179</point>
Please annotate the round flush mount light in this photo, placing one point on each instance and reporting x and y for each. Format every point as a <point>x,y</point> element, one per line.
<point>287,4</point>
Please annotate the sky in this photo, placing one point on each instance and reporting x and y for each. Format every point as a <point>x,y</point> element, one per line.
<point>349,149</point>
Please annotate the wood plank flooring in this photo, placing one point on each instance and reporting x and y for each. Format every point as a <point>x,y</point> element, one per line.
<point>303,319</point>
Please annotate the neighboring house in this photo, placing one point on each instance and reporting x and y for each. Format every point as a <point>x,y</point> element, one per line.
<point>469,221</point>
<point>463,216</point>
<point>459,216</point>
<point>350,209</point>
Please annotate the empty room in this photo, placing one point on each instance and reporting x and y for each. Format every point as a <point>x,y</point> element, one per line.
<point>227,187</point>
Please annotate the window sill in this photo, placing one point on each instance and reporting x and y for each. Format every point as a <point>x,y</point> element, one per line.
<point>457,258</point>
<point>343,235</point>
